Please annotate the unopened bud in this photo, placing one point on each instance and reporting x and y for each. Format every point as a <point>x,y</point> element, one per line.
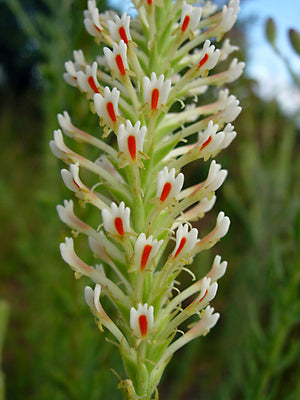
<point>295,40</point>
<point>270,29</point>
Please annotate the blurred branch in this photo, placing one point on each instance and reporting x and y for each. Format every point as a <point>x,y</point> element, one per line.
<point>23,18</point>
<point>270,29</point>
<point>3,327</point>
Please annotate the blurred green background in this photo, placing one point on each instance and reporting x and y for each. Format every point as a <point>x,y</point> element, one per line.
<point>51,348</point>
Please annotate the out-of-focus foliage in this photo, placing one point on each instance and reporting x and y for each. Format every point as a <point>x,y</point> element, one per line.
<point>52,348</point>
<point>294,37</point>
<point>3,326</point>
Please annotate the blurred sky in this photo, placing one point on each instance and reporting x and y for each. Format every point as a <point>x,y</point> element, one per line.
<point>263,64</point>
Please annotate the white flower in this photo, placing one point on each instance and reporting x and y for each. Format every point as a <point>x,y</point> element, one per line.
<point>218,269</point>
<point>168,186</point>
<point>92,298</point>
<point>117,59</point>
<point>107,106</point>
<point>87,81</point>
<point>71,178</point>
<point>229,15</point>
<point>65,212</point>
<point>116,220</point>
<point>210,140</point>
<point>231,109</point>
<point>70,76</point>
<point>207,292</point>
<point>216,176</point>
<point>141,320</point>
<point>190,17</point>
<point>58,147</point>
<point>226,49</point>
<point>200,209</point>
<point>70,257</point>
<point>145,250</point>
<point>119,28</point>
<point>235,70</point>
<point>156,91</point>
<point>208,9</point>
<point>91,19</point>
<point>66,215</point>
<point>209,56</point>
<point>208,321</point>
<point>222,226</point>
<point>185,241</point>
<point>79,59</point>
<point>229,135</point>
<point>65,122</point>
<point>131,140</point>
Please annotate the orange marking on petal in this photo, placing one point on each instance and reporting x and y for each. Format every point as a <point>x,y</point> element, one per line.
<point>145,256</point>
<point>131,142</point>
<point>181,246</point>
<point>203,60</point>
<point>185,23</point>
<point>111,111</point>
<point>154,99</point>
<point>165,192</point>
<point>203,296</point>
<point>143,323</point>
<point>98,29</point>
<point>206,143</point>
<point>75,183</point>
<point>119,226</point>
<point>92,84</point>
<point>120,64</point>
<point>123,35</point>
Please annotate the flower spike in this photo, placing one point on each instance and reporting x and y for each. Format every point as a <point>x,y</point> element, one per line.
<point>168,52</point>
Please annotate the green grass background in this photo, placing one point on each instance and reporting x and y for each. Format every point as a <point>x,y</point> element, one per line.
<point>51,348</point>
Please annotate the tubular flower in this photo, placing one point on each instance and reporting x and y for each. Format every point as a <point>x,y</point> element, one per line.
<point>119,28</point>
<point>141,320</point>
<point>87,81</point>
<point>185,241</point>
<point>107,106</point>
<point>156,91</point>
<point>209,56</point>
<point>117,59</point>
<point>190,17</point>
<point>116,220</point>
<point>131,141</point>
<point>145,250</point>
<point>91,20</point>
<point>168,186</point>
<point>169,53</point>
